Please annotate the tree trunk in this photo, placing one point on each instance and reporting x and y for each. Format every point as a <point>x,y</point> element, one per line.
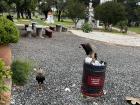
<point>29,14</point>
<point>46,14</point>
<point>59,15</point>
<point>18,14</point>
<point>18,11</point>
<point>33,13</point>
<point>22,14</point>
<point>106,26</point>
<point>75,24</point>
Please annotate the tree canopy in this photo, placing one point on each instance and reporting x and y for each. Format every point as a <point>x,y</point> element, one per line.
<point>110,13</point>
<point>3,6</point>
<point>60,6</point>
<point>75,10</point>
<point>131,9</point>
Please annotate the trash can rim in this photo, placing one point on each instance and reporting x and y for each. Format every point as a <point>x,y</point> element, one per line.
<point>94,65</point>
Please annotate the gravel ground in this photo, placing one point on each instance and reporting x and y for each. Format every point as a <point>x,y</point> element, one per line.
<point>62,60</point>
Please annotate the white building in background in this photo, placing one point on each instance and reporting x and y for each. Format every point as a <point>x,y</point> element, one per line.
<point>103,1</point>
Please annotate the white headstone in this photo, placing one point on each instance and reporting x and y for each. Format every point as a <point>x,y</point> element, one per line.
<point>103,1</point>
<point>80,23</point>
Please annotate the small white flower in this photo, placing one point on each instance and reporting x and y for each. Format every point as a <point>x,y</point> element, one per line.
<point>73,85</point>
<point>104,91</point>
<point>94,103</point>
<point>12,101</point>
<point>67,90</point>
<point>34,69</point>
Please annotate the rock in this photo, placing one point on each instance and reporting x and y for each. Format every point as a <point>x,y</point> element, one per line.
<point>73,85</point>
<point>104,91</point>
<point>35,69</point>
<point>67,90</point>
<point>94,103</point>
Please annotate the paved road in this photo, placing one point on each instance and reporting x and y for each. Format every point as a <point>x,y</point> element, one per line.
<point>62,60</point>
<point>119,39</point>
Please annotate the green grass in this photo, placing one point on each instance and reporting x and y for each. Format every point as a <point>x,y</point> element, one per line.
<point>27,21</point>
<point>134,29</point>
<point>23,21</point>
<point>113,31</point>
<point>40,22</point>
<point>65,22</point>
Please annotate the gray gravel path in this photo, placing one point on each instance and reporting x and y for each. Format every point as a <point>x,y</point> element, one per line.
<point>62,59</point>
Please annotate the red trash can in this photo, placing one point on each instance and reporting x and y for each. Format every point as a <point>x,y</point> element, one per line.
<point>93,80</point>
<point>52,28</point>
<point>48,32</point>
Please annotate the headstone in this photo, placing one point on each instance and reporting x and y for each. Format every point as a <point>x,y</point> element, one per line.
<point>59,28</point>
<point>34,25</point>
<point>64,29</point>
<point>29,32</point>
<point>95,23</point>
<point>103,1</point>
<point>39,31</point>
<point>80,24</point>
<point>50,17</point>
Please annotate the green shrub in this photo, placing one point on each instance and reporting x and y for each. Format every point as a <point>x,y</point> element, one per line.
<point>8,31</point>
<point>87,27</point>
<point>123,25</point>
<point>4,73</point>
<point>21,71</point>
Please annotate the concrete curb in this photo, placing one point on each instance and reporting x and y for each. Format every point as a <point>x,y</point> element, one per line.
<point>110,38</point>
